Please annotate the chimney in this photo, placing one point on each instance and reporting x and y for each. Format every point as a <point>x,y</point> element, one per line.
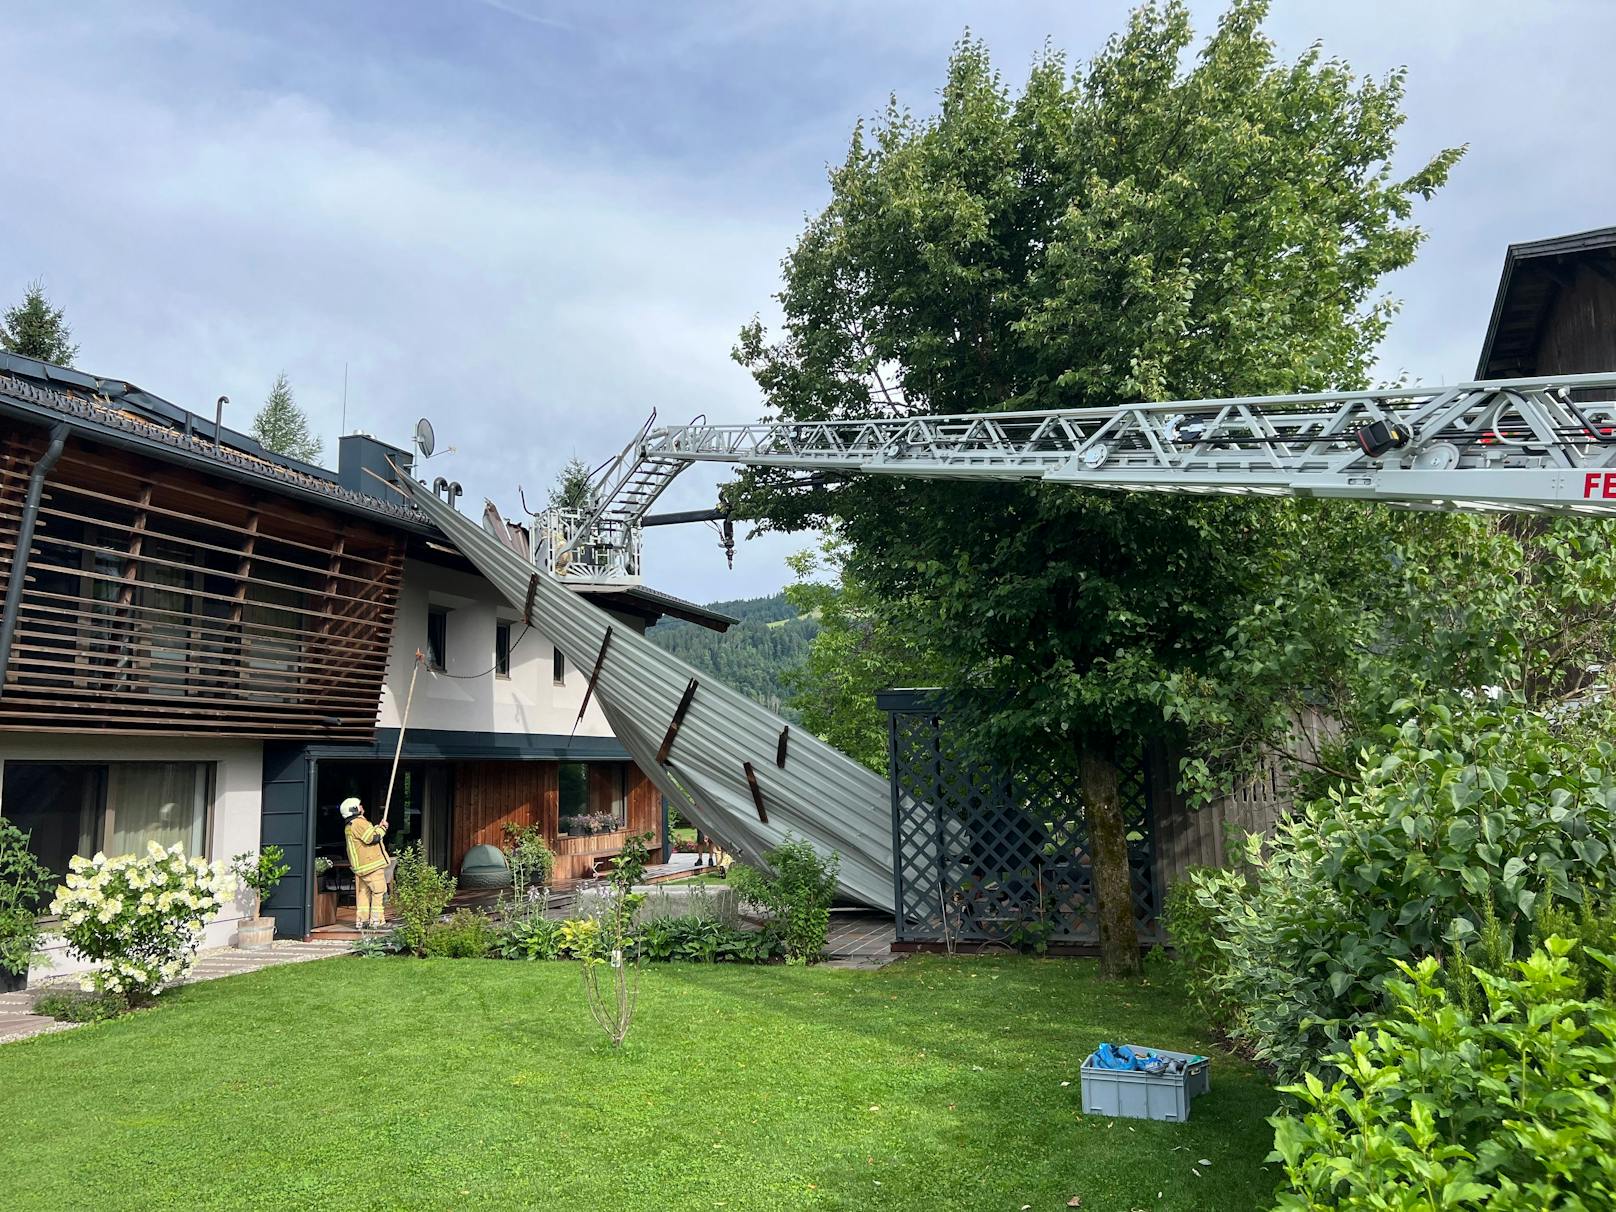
<point>359,454</point>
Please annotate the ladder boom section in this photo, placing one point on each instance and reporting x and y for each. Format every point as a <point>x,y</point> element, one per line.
<point>1522,445</point>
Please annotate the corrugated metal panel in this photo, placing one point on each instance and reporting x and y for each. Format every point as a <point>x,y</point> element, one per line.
<point>821,794</point>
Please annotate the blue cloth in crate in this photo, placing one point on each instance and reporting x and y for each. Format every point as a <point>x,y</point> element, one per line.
<point>1124,1059</point>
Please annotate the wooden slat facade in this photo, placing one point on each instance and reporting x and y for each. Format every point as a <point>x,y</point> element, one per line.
<point>162,600</point>
<point>489,795</point>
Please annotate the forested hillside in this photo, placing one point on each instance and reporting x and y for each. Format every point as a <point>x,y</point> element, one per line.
<point>753,655</point>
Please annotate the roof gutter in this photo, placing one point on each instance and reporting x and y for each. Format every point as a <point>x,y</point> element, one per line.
<point>18,575</point>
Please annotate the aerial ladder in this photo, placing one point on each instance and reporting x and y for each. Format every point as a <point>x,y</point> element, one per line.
<point>743,774</point>
<point>1516,445</point>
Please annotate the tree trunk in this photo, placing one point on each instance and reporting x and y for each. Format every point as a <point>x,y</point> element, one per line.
<point>1108,852</point>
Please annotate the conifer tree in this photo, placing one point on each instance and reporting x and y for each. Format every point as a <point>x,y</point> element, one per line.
<point>35,329</point>
<point>283,427</point>
<point>572,489</point>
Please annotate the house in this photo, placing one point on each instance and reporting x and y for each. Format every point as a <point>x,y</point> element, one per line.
<point>1555,312</point>
<point>207,643</point>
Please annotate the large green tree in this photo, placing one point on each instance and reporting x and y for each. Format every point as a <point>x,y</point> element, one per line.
<point>283,427</point>
<point>35,329</point>
<point>1137,229</point>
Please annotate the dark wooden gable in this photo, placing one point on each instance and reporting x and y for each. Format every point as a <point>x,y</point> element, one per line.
<point>1556,309</point>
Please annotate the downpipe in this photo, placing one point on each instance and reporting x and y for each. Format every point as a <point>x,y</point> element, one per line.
<point>25,540</point>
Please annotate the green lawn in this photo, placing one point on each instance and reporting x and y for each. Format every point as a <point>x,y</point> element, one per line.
<point>932,1084</point>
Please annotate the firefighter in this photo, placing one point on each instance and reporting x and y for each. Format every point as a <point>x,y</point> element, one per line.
<point>369,861</point>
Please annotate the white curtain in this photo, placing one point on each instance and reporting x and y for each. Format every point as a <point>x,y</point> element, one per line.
<point>162,802</point>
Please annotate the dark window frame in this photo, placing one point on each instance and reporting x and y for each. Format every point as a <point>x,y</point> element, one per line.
<point>558,667</point>
<point>579,776</point>
<point>502,649</point>
<point>437,646</point>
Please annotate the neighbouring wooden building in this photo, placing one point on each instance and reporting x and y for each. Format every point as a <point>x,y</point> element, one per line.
<point>207,643</point>
<point>1555,312</point>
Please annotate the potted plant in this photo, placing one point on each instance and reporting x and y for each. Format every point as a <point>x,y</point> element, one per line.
<point>261,874</point>
<point>24,881</point>
<point>325,903</point>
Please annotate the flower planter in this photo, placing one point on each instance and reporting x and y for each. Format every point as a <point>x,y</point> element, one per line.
<point>11,982</point>
<point>325,909</point>
<point>255,932</point>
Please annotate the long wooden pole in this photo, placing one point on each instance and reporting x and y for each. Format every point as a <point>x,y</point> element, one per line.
<point>403,723</point>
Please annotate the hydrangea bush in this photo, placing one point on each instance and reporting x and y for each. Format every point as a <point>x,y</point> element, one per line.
<point>139,918</point>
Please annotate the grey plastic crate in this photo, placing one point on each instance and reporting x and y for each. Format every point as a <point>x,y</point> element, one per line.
<point>1135,1095</point>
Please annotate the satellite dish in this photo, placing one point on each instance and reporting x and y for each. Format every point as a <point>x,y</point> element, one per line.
<point>425,441</point>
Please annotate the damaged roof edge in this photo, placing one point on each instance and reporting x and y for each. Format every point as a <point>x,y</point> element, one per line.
<point>654,601</point>
<point>45,406</point>
<point>42,392</point>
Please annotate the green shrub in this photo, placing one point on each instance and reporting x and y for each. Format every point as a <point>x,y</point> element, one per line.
<point>1462,816</point>
<point>797,892</point>
<point>1509,1110</point>
<point>1591,925</point>
<point>532,938</point>
<point>68,1007</point>
<point>706,940</point>
<point>532,865</point>
<point>466,935</point>
<point>696,939</point>
<point>378,946</point>
<point>1197,934</point>
<point>24,885</point>
<point>261,872</point>
<point>420,894</point>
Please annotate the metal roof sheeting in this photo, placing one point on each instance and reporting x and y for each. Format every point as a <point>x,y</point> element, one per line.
<point>820,795</point>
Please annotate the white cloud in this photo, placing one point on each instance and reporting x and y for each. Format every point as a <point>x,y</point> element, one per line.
<point>530,307</point>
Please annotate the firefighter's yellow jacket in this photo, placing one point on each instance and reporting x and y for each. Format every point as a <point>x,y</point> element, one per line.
<point>365,846</point>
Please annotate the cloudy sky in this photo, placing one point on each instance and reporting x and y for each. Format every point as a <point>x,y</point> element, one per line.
<point>533,222</point>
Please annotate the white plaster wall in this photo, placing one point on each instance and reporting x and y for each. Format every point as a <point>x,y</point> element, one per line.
<point>528,702</point>
<point>233,824</point>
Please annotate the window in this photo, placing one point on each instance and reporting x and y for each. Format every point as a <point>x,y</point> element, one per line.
<point>437,638</point>
<point>502,650</point>
<point>70,808</point>
<point>592,791</point>
<point>58,806</point>
<point>559,668</point>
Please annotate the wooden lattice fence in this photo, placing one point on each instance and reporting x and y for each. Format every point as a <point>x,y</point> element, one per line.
<point>987,855</point>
